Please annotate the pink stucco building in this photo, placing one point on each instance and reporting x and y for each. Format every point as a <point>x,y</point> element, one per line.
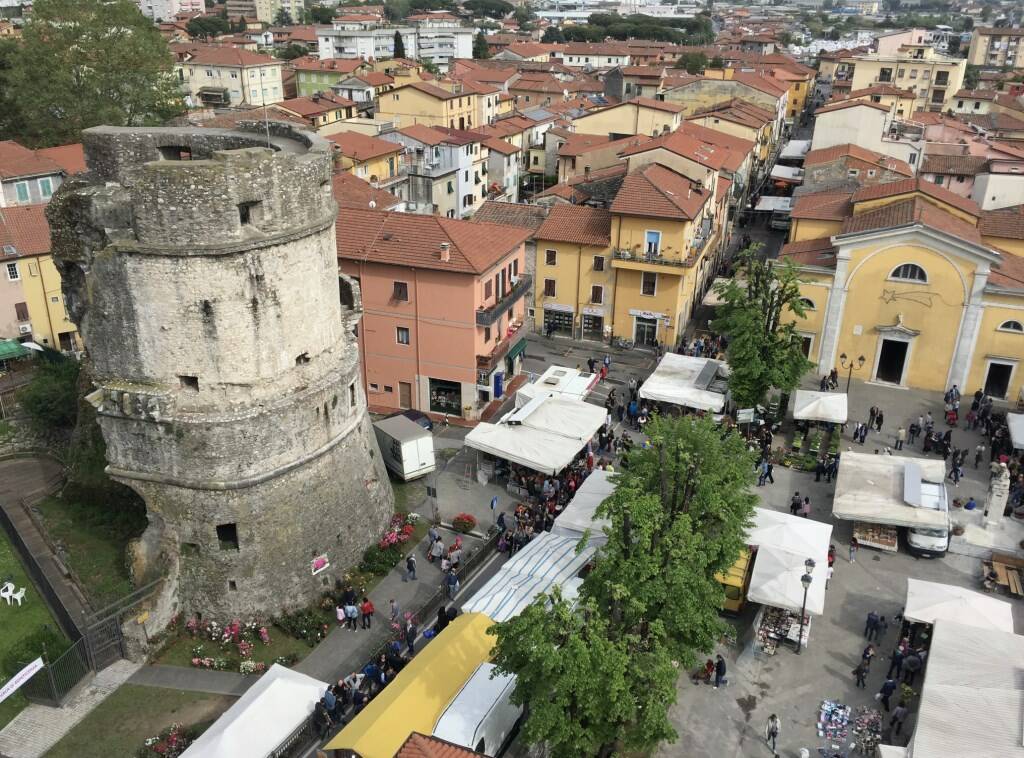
<point>443,307</point>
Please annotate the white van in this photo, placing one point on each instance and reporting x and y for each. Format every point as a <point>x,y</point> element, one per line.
<point>481,716</point>
<point>407,448</point>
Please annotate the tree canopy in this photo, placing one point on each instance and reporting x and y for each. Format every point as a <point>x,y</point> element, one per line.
<point>694,63</point>
<point>480,49</point>
<point>601,678</point>
<point>489,8</point>
<point>283,17</point>
<point>208,27</point>
<point>51,399</point>
<point>765,350</point>
<point>553,34</point>
<point>83,63</point>
<point>399,45</point>
<point>292,51</point>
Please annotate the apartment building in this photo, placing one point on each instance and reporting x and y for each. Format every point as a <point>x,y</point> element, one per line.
<point>314,75</point>
<point>166,10</point>
<point>934,79</point>
<point>448,105</point>
<point>437,38</point>
<point>30,177</point>
<point>997,47</point>
<point>213,75</point>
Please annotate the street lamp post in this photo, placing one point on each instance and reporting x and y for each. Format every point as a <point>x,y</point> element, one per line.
<point>850,364</point>
<point>805,580</point>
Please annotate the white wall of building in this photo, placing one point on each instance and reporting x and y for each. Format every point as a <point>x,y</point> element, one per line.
<point>993,191</point>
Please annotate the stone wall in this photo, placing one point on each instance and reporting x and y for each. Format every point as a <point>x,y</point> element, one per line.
<point>201,269</point>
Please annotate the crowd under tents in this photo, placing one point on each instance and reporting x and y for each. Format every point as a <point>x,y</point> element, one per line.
<point>1015,423</point>
<point>578,516</point>
<point>973,695</point>
<point>784,543</point>
<point>263,718</point>
<point>699,383</point>
<point>829,407</point>
<point>891,490</point>
<point>544,435</point>
<point>546,561</point>
<point>420,693</point>
<point>929,602</point>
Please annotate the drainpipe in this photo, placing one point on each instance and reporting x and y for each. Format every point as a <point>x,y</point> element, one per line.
<point>579,273</point>
<point>416,318</point>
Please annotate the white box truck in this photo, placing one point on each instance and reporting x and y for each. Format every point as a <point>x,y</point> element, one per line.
<point>407,448</point>
<point>481,717</point>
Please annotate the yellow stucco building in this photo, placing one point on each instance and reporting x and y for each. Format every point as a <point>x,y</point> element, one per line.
<point>433,104</point>
<point>906,275</point>
<point>641,115</point>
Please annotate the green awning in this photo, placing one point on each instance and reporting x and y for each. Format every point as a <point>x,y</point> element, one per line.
<point>9,349</point>
<point>517,349</point>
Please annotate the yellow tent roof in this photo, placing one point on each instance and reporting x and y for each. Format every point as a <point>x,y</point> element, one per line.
<point>417,697</point>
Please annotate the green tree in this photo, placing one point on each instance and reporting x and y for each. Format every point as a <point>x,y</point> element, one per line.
<point>10,119</point>
<point>717,62</point>
<point>88,62</point>
<point>51,400</point>
<point>601,680</point>
<point>293,51</point>
<point>834,35</point>
<point>954,46</point>
<point>320,14</point>
<point>480,49</point>
<point>283,18</point>
<point>986,13</point>
<point>694,63</point>
<point>399,45</point>
<point>553,35</point>
<point>765,349</point>
<point>207,27</point>
<point>488,8</point>
<point>523,14</point>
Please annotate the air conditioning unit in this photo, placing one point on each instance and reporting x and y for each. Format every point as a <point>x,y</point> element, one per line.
<point>25,328</point>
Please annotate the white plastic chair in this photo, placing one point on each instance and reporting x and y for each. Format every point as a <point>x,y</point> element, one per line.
<point>19,596</point>
<point>7,592</point>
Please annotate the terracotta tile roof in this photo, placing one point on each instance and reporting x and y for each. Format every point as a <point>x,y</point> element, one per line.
<point>844,104</point>
<point>1009,272</point>
<point>566,191</point>
<point>26,228</point>
<point>817,252</point>
<point>362,147</point>
<point>686,146</point>
<point>574,190</point>
<point>1005,222</point>
<point>17,161</point>
<point>1007,148</point>
<point>529,49</point>
<point>822,206</point>
<point>379,79</point>
<point>479,87</point>
<point>214,55</point>
<point>978,94</point>
<point>722,188</point>
<point>763,83</point>
<point>1004,31</point>
<point>908,212</point>
<point>659,192</point>
<point>878,89</point>
<point>406,239</point>
<point>71,158</point>
<point>643,72</point>
<point>737,111</point>
<point>422,746</point>
<point>352,192</point>
<point>961,165</point>
<point>715,137</point>
<point>579,224</point>
<point>428,135</point>
<point>658,105</point>
<point>500,145</point>
<point>511,214</point>
<point>578,143</point>
<point>996,122</point>
<point>429,89</point>
<point>315,105</point>
<point>905,186</point>
<point>341,65</point>
<point>862,154</point>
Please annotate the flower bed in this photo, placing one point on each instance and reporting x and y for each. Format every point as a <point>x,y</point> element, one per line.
<point>248,647</point>
<point>379,559</point>
<point>464,522</point>
<point>170,743</point>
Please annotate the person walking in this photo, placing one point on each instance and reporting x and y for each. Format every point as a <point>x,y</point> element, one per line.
<point>396,611</point>
<point>771,732</point>
<point>366,609</point>
<point>861,672</point>
<point>720,672</point>
<point>828,575</point>
<point>871,626</point>
<point>805,507</point>
<point>351,614</point>
<point>979,453</point>
<point>912,663</point>
<point>410,568</point>
<point>872,413</point>
<point>901,437</point>
<point>879,418</point>
<point>795,503</point>
<point>895,663</point>
<point>868,655</point>
<point>888,687</point>
<point>820,468</point>
<point>451,584</point>
<point>899,715</point>
<point>410,637</point>
<point>854,547</point>
<point>436,549</point>
<point>769,467</point>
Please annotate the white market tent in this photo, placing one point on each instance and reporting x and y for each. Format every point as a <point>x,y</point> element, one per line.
<point>546,561</point>
<point>930,601</point>
<point>263,718</point>
<point>784,543</point>
<point>558,380</point>
<point>578,515</point>
<point>773,203</point>
<point>789,174</point>
<point>972,699</point>
<point>544,435</point>
<point>684,380</point>
<point>1015,422</point>
<point>885,489</point>
<point>795,149</point>
<point>820,406</point>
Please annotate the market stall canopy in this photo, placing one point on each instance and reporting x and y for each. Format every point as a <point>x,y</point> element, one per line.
<point>795,150</point>
<point>263,718</point>
<point>691,382</point>
<point>973,695</point>
<point>544,435</point>
<point>558,380</point>
<point>784,543</point>
<point>891,751</point>
<point>931,601</point>
<point>886,489</point>
<point>1015,422</point>
<point>788,174</point>
<point>578,515</point>
<point>420,693</point>
<point>820,406</point>
<point>712,298</point>
<point>546,561</point>
<point>11,349</point>
<point>772,203</point>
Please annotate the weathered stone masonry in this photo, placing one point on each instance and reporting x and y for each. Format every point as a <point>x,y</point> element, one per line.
<point>200,267</point>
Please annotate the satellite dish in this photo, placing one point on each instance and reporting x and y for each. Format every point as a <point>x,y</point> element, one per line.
<point>373,204</point>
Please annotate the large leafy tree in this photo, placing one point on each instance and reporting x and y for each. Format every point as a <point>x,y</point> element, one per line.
<point>480,49</point>
<point>83,63</point>
<point>208,27</point>
<point>765,350</point>
<point>601,679</point>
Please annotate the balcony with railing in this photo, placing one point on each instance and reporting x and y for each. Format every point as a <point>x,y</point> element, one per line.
<point>514,335</point>
<point>647,261</point>
<point>487,316</point>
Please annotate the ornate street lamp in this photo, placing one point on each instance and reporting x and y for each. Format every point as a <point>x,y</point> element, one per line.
<point>805,580</point>
<point>850,364</point>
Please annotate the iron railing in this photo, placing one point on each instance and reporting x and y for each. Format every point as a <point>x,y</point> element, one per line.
<point>487,316</point>
<point>52,684</point>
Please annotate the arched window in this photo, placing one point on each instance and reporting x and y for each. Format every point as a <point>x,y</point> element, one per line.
<point>910,272</point>
<point>807,303</point>
<point>1011,326</point>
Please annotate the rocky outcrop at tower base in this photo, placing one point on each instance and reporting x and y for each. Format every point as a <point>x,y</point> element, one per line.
<point>200,267</point>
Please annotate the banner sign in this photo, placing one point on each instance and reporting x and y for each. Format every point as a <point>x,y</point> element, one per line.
<point>13,684</point>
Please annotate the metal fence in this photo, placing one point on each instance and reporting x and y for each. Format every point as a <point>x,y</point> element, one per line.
<point>54,682</point>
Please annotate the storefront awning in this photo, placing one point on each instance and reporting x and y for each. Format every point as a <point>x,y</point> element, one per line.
<point>517,349</point>
<point>10,349</point>
<point>788,174</point>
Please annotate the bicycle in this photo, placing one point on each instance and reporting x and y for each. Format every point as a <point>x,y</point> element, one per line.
<point>622,344</point>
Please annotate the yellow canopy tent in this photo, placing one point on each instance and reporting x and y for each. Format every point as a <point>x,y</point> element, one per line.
<point>417,697</point>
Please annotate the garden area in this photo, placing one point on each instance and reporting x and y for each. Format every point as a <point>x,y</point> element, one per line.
<point>23,629</point>
<point>132,716</point>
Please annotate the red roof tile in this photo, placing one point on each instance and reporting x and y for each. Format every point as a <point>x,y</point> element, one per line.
<point>1005,222</point>
<point>71,158</point>
<point>817,252</point>
<point>844,104</point>
<point>362,147</point>
<point>961,165</point>
<point>523,215</point>
<point>422,746</point>
<point>659,192</point>
<point>341,65</point>
<point>352,192</point>
<point>910,212</point>
<point>905,186</point>
<point>25,228</point>
<point>1009,272</point>
<point>314,105</point>
<point>214,55</point>
<point>17,161</point>
<point>829,154</point>
<point>822,206</point>
<point>578,224</point>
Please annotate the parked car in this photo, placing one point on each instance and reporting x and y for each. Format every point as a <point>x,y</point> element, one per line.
<point>418,416</point>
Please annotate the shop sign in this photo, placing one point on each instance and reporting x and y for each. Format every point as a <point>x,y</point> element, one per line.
<point>318,564</point>
<point>559,307</point>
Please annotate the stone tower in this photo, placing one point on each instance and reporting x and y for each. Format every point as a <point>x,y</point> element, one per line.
<point>200,266</point>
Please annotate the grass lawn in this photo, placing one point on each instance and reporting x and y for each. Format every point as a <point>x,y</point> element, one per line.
<point>95,547</point>
<point>409,495</point>
<point>18,622</point>
<point>123,721</point>
<point>178,651</point>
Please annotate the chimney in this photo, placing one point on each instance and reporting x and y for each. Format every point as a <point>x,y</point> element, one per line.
<point>445,254</point>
